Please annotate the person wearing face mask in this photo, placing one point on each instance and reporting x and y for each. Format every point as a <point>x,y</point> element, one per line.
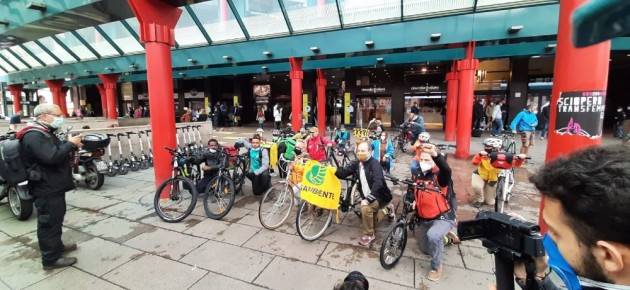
<point>211,166</point>
<point>258,171</point>
<point>619,118</point>
<point>525,123</point>
<point>316,145</point>
<point>423,138</point>
<point>342,137</point>
<point>375,205</point>
<point>435,232</point>
<point>48,159</point>
<point>384,151</point>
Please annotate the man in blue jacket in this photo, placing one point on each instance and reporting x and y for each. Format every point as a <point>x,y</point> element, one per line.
<point>525,123</point>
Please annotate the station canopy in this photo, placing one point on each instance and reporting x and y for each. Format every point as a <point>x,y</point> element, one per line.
<point>227,21</point>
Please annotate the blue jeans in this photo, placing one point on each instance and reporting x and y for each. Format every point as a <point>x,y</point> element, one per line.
<point>431,239</point>
<point>497,126</point>
<point>543,131</point>
<point>415,167</point>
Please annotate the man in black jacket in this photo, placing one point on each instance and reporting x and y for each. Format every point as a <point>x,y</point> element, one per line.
<point>478,113</point>
<point>50,178</point>
<point>377,196</point>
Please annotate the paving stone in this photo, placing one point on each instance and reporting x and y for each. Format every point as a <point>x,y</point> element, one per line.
<point>78,218</point>
<point>5,212</point>
<point>20,265</point>
<point>220,282</point>
<point>4,237</point>
<point>79,281</point>
<point>249,201</point>
<point>232,261</point>
<point>13,227</point>
<point>168,244</point>
<point>93,202</point>
<point>289,274</point>
<point>251,219</point>
<point>153,272</point>
<point>187,223</point>
<point>117,229</point>
<point>452,256</point>
<point>128,210</point>
<point>289,246</point>
<point>452,278</point>
<point>349,258</point>
<point>98,256</point>
<point>236,214</point>
<point>478,259</point>
<point>68,236</point>
<point>4,286</point>
<point>235,234</point>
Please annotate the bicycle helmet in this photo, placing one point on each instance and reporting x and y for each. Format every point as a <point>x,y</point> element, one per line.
<point>492,142</point>
<point>424,137</point>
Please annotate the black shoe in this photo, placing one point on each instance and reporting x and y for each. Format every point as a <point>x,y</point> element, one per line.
<point>70,247</point>
<point>61,263</point>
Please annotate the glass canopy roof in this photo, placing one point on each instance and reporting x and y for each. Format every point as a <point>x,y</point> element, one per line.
<point>222,21</point>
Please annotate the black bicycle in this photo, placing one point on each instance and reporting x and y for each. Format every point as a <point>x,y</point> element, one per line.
<point>220,192</point>
<point>176,197</point>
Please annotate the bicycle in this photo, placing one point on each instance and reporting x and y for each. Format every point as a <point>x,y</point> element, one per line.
<point>278,201</point>
<point>346,154</point>
<point>508,142</point>
<point>177,196</point>
<point>220,193</point>
<point>505,180</point>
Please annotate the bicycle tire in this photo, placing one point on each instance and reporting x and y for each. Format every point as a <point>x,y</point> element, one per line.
<point>144,164</point>
<point>238,177</point>
<point>285,193</point>
<point>305,206</point>
<point>499,200</point>
<point>134,166</point>
<point>187,210</point>
<point>393,244</point>
<point>123,169</point>
<point>111,171</point>
<point>211,195</point>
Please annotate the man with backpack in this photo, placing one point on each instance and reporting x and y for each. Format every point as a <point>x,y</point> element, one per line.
<point>435,206</point>
<point>258,171</point>
<point>48,160</point>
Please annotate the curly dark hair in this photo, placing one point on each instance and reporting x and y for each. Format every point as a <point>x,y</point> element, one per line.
<point>593,187</point>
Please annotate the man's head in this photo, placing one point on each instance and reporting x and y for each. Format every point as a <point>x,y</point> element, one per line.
<point>364,151</point>
<point>255,141</point>
<point>411,115</point>
<point>213,144</point>
<point>314,131</point>
<point>492,144</point>
<point>342,128</point>
<point>426,162</point>
<point>49,114</point>
<point>383,136</point>
<point>587,202</point>
<point>532,108</point>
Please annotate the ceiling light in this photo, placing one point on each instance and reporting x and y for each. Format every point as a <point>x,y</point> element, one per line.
<point>109,69</point>
<point>423,69</point>
<point>314,49</point>
<point>227,57</point>
<point>515,28</point>
<point>4,22</point>
<point>535,56</point>
<point>37,6</point>
<point>369,43</point>
<point>436,36</point>
<point>192,61</point>
<point>133,66</point>
<point>87,71</point>
<point>181,74</point>
<point>264,67</point>
<point>268,53</point>
<point>380,59</point>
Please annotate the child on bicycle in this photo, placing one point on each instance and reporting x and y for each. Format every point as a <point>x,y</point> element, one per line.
<point>484,178</point>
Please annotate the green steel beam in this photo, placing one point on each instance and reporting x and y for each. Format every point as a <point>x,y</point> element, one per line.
<point>18,15</point>
<point>402,10</point>
<point>11,64</point>
<point>131,31</point>
<point>32,55</point>
<point>19,58</point>
<point>238,19</point>
<point>198,23</point>
<point>65,47</point>
<point>109,40</point>
<point>46,50</point>
<point>87,45</point>
<point>3,69</point>
<point>475,6</point>
<point>339,13</point>
<point>286,16</point>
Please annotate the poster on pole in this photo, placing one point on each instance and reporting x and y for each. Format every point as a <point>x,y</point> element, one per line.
<point>346,106</point>
<point>305,107</point>
<point>581,113</point>
<point>235,101</point>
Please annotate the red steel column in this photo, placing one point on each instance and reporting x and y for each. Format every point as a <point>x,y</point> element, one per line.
<point>157,22</point>
<point>58,94</point>
<point>575,69</point>
<point>63,102</point>
<point>16,92</point>
<point>296,76</point>
<point>466,72</point>
<point>321,100</point>
<point>109,84</point>
<point>101,91</point>
<point>452,85</point>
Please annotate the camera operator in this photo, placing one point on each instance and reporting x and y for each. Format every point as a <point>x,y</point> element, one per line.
<point>587,212</point>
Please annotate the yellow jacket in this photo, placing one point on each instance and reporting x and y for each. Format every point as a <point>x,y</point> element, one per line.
<point>485,169</point>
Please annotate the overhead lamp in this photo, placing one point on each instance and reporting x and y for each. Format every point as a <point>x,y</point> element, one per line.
<point>435,36</point>
<point>423,69</point>
<point>550,47</point>
<point>515,29</point>
<point>133,66</point>
<point>369,43</point>
<point>87,71</point>
<point>227,58</point>
<point>37,6</point>
<point>267,53</point>
<point>192,61</point>
<point>535,56</point>
<point>4,22</point>
<point>108,69</point>
<point>314,49</point>
<point>379,59</point>
<point>181,74</point>
<point>264,67</point>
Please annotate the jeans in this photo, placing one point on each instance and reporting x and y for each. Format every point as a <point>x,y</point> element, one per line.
<point>543,131</point>
<point>51,211</point>
<point>415,167</point>
<point>431,239</point>
<point>619,130</point>
<point>497,126</point>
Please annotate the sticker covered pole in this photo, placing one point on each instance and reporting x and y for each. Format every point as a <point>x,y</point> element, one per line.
<point>296,74</point>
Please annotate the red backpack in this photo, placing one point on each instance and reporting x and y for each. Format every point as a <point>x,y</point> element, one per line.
<point>431,201</point>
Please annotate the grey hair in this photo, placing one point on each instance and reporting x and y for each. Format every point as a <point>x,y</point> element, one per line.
<point>45,109</point>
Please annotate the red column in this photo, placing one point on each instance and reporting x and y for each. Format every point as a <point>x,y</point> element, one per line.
<point>63,102</point>
<point>101,91</point>
<point>321,100</point>
<point>452,85</point>
<point>109,84</point>
<point>296,76</point>
<point>16,92</point>
<point>575,70</point>
<point>58,94</point>
<point>157,22</point>
<point>466,72</point>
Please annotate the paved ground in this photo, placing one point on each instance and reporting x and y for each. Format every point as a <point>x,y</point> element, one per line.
<point>122,244</point>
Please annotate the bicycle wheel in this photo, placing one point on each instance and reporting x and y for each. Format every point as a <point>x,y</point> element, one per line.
<point>393,246</point>
<point>499,204</point>
<point>219,197</point>
<point>238,177</point>
<point>175,199</point>
<point>275,206</point>
<point>311,221</point>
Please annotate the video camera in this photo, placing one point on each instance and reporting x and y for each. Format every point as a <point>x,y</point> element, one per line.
<point>509,239</point>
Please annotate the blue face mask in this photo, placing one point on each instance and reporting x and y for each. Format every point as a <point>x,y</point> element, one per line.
<point>561,270</point>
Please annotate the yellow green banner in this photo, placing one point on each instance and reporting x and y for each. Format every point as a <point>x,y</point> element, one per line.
<point>320,186</point>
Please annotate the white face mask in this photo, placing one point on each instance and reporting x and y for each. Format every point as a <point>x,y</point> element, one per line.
<point>425,167</point>
<point>383,138</point>
<point>57,122</point>
<point>619,110</point>
<point>212,150</point>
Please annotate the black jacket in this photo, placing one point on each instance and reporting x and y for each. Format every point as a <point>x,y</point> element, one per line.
<point>478,111</point>
<point>50,157</point>
<point>374,176</point>
<point>444,179</point>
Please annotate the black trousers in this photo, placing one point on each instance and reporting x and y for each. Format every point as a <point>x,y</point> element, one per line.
<point>203,185</point>
<point>260,183</point>
<point>51,211</point>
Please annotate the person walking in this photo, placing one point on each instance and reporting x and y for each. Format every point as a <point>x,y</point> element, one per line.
<point>525,124</point>
<point>619,118</point>
<point>488,110</point>
<point>260,117</point>
<point>478,114</point>
<point>15,120</point>
<point>544,120</point>
<point>277,115</point>
<point>497,120</point>
<point>49,157</point>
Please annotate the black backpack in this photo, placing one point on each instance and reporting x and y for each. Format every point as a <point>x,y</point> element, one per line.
<point>12,167</point>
